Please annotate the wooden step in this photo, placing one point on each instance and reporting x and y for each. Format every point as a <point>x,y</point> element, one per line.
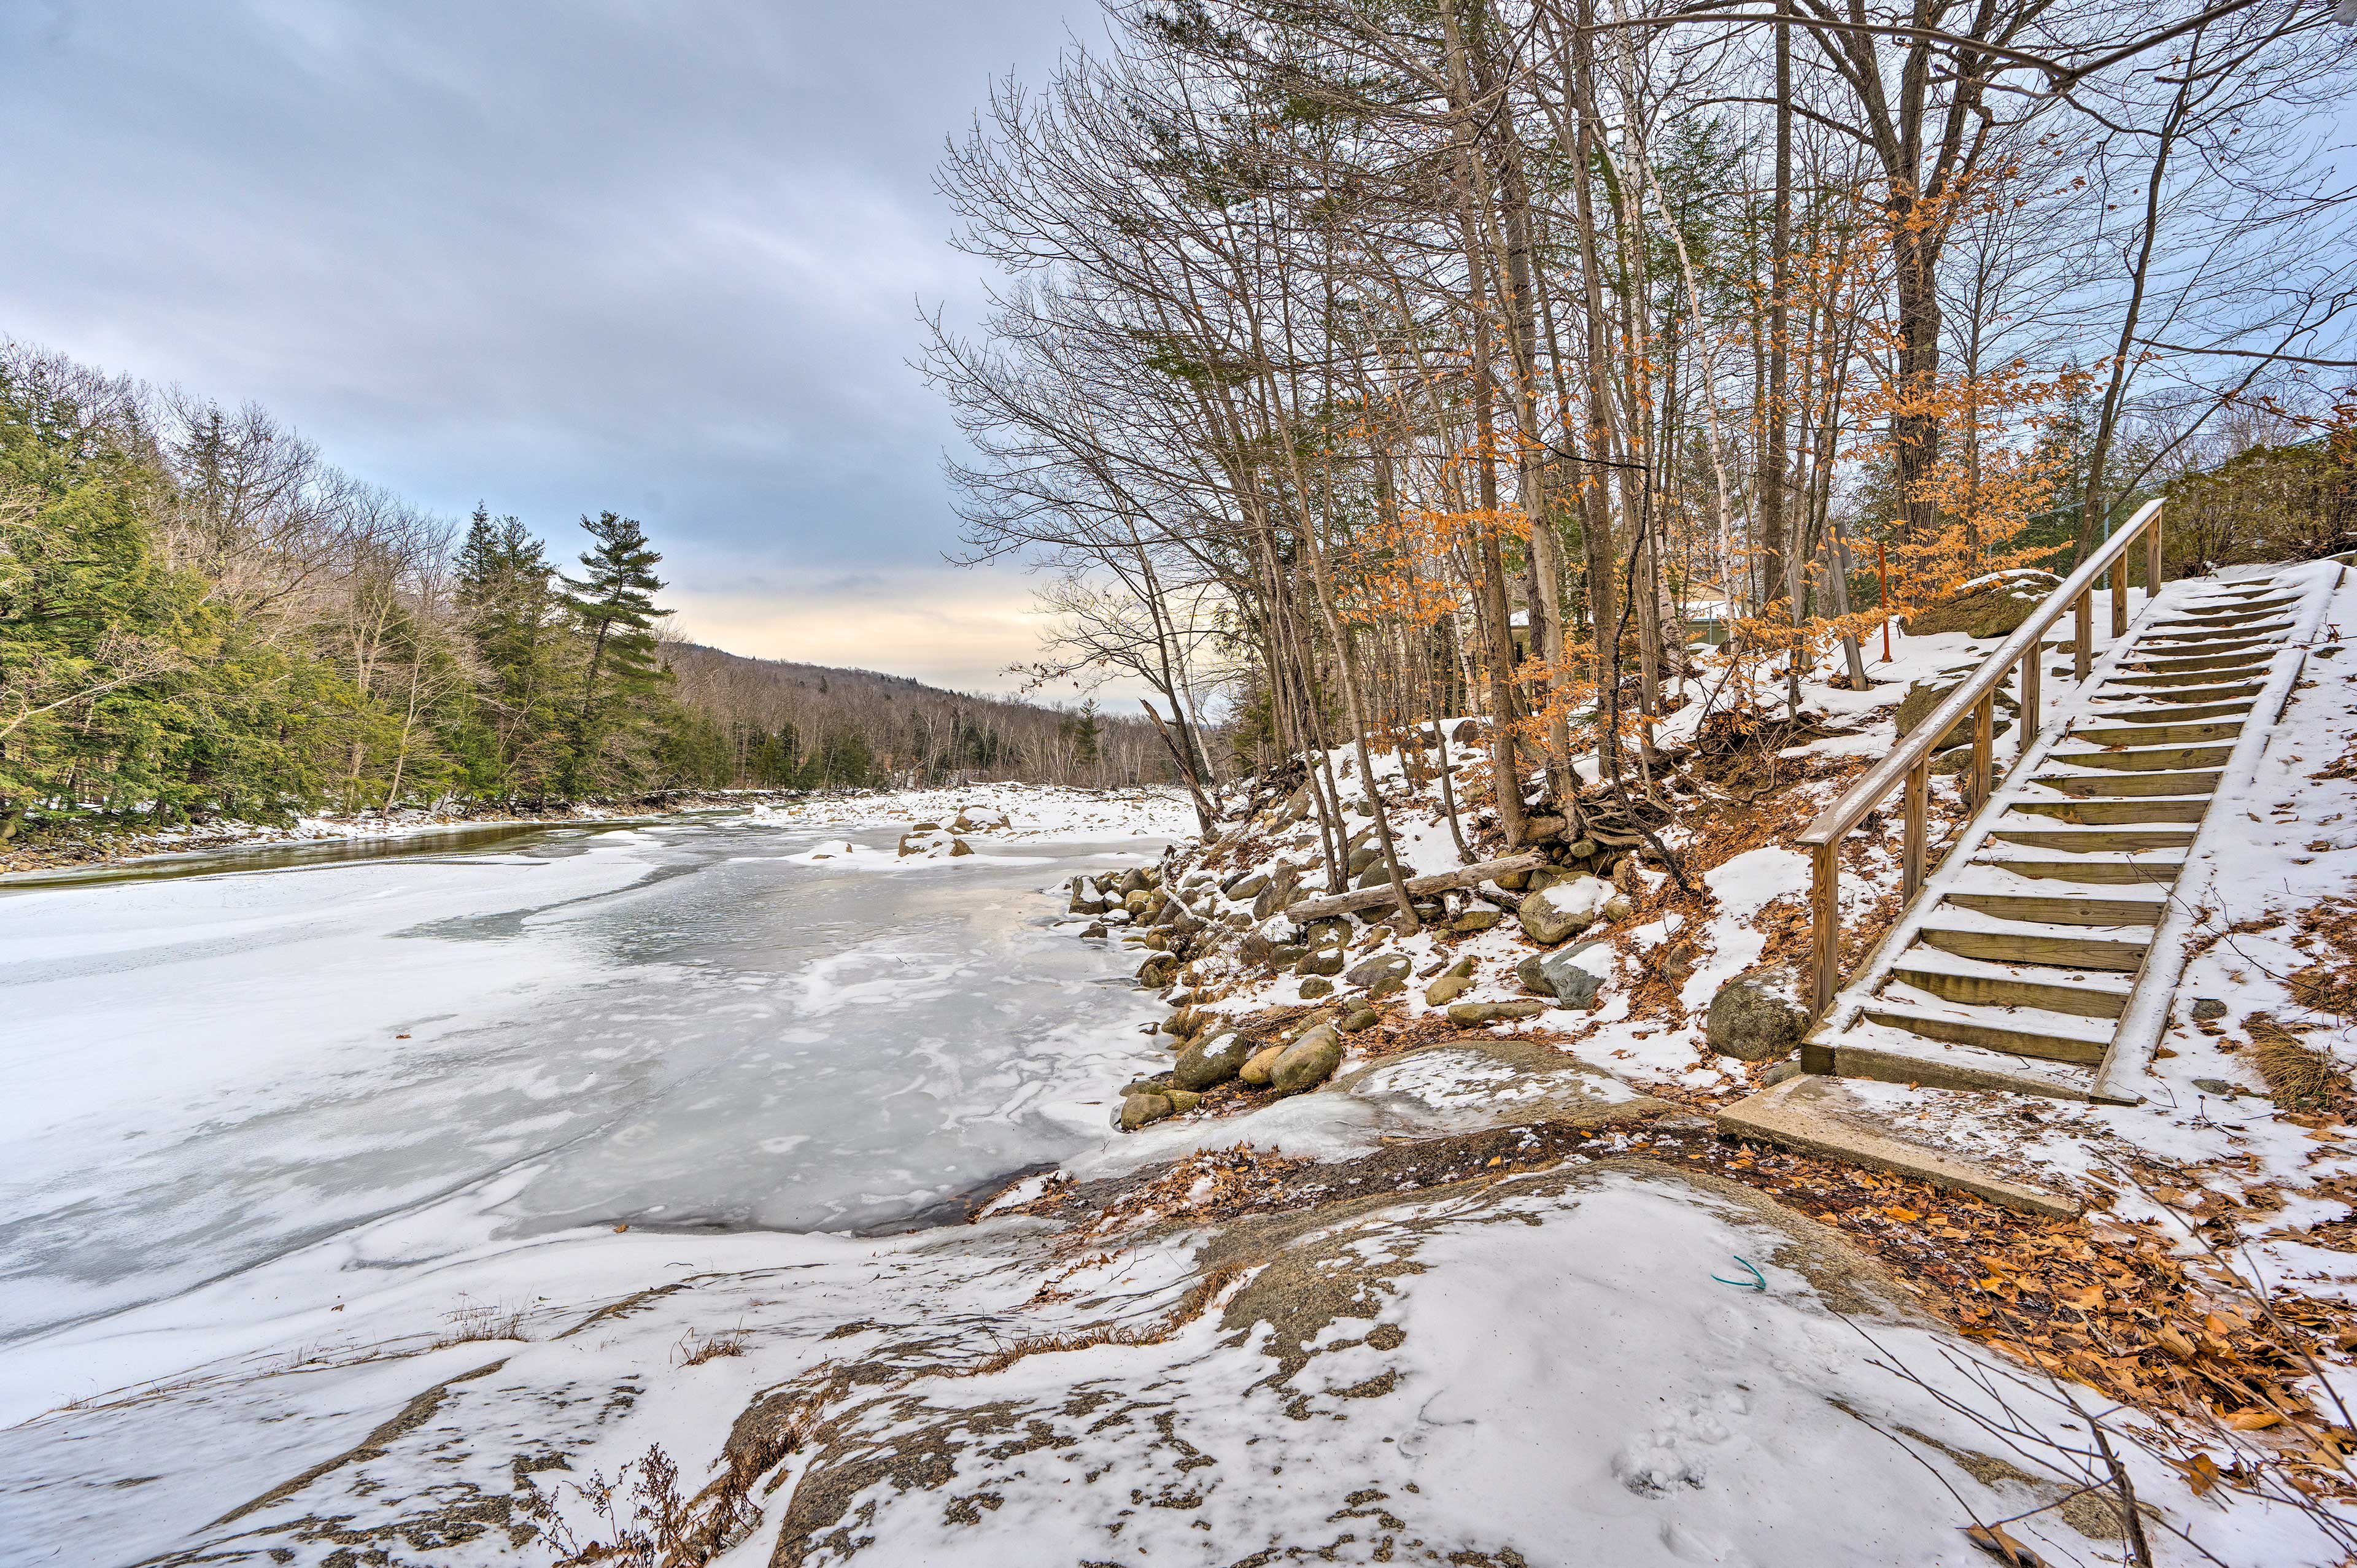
<point>2118,954</point>
<point>2062,909</point>
<point>2146,758</point>
<point>2107,813</point>
<point>2234,635</point>
<point>2012,1040</point>
<point>2187,680</point>
<point>2112,784</point>
<point>2239,603</point>
<point>2094,840</point>
<point>2158,735</point>
<point>2218,666</point>
<point>1964,1067</point>
<point>2221,617</point>
<point>2186,694</point>
<point>2094,873</point>
<point>2015,990</point>
<point>2173,715</point>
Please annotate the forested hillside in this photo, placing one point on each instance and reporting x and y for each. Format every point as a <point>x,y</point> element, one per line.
<point>785,724</point>
<point>201,618</point>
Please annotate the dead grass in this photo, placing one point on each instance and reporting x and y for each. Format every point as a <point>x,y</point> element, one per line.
<point>694,1349</point>
<point>474,1323</point>
<point>2299,1078</point>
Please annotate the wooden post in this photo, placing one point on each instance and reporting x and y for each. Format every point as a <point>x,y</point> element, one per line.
<point>2082,632</point>
<point>1919,798</point>
<point>2152,566</point>
<point>1824,902</point>
<point>1882,568</point>
<point>2033,694</point>
<point>1984,747</point>
<point>2120,597</point>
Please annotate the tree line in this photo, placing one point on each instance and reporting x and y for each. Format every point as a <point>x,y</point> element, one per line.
<point>1376,361</point>
<point>201,617</point>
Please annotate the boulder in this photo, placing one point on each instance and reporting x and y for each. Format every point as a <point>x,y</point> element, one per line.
<point>1307,1062</point>
<point>1359,1018</point>
<point>1285,957</point>
<point>1274,895</point>
<point>1617,908</point>
<point>1260,1065</point>
<point>1445,990</point>
<point>1372,876</point>
<point>1136,902</point>
<point>1159,970</point>
<point>1330,932</point>
<point>1758,1016</point>
<point>1134,882</point>
<point>1466,733</point>
<point>1255,948</point>
<point>959,846</point>
<point>1379,974</point>
<point>1480,918</point>
<point>1137,1110</point>
<point>1364,858</point>
<point>1571,975</point>
<point>1248,885</point>
<point>1990,607</point>
<point>1182,1100</point>
<point>1084,897</point>
<point>924,827</point>
<point>1322,961</point>
<point>1315,986</point>
<point>1210,1061</point>
<point>1472,1013</point>
<point>1095,928</point>
<point>1551,914</point>
<point>2208,1009</point>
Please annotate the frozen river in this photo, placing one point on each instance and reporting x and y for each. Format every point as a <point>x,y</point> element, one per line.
<point>690,1024</point>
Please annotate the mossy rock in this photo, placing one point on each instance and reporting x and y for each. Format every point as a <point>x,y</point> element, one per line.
<point>1992,609</point>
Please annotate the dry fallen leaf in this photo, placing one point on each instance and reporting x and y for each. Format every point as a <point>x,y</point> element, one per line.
<point>1993,1539</point>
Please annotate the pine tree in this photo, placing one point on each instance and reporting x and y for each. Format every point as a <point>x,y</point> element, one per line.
<point>613,601</point>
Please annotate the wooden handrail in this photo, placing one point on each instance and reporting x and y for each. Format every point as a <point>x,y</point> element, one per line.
<point>1911,759</point>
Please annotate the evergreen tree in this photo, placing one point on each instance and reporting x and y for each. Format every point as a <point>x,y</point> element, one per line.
<point>613,602</point>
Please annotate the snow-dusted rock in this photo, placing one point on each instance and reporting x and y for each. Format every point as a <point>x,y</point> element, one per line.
<point>1758,1017</point>
<point>1551,914</point>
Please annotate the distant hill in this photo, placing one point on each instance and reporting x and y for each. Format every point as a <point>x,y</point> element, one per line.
<point>792,726</point>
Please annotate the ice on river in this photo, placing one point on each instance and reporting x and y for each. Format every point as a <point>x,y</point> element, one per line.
<point>690,1025</point>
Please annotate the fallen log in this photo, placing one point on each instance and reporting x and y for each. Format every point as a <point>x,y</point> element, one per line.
<point>1438,882</point>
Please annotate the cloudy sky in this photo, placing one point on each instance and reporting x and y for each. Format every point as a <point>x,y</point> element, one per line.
<point>662,257</point>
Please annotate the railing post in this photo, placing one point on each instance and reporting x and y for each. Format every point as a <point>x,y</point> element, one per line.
<point>1824,902</point>
<point>2120,597</point>
<point>1984,749</point>
<point>2152,566</point>
<point>1919,796</point>
<point>2083,636</point>
<point>2032,694</point>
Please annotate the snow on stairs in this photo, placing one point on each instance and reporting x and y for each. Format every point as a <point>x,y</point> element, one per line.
<point>2014,968</point>
<point>2047,936</point>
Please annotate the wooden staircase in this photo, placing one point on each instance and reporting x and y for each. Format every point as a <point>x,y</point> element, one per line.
<point>2041,956</point>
